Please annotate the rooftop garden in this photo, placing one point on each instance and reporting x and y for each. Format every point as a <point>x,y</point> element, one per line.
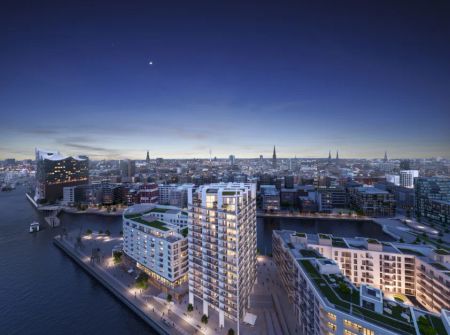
<point>158,210</point>
<point>229,193</point>
<point>300,234</point>
<point>438,325</point>
<point>441,252</point>
<point>347,300</point>
<point>372,241</point>
<point>154,224</point>
<point>290,245</point>
<point>324,236</point>
<point>339,242</point>
<point>439,266</point>
<point>310,253</point>
<point>410,251</point>
<point>184,232</point>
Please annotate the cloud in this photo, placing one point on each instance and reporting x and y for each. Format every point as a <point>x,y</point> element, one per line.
<point>88,147</point>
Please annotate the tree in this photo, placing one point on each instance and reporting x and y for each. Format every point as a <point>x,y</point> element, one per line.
<point>100,231</point>
<point>205,319</point>
<point>231,331</point>
<point>169,297</point>
<point>88,232</point>
<point>117,255</point>
<point>121,233</point>
<point>401,240</point>
<point>108,233</point>
<point>190,308</point>
<point>344,288</point>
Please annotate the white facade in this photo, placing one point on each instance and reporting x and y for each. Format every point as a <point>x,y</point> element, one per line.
<point>407,178</point>
<point>222,247</point>
<point>419,271</point>
<point>320,305</point>
<point>155,237</point>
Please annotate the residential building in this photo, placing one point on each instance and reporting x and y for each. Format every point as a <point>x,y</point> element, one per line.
<point>326,301</point>
<point>148,193</point>
<point>155,237</point>
<point>55,171</point>
<point>222,248</point>
<point>174,194</point>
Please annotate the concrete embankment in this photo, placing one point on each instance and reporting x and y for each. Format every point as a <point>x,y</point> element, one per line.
<point>110,286</point>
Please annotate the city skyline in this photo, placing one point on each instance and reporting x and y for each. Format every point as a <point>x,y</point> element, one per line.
<point>114,81</point>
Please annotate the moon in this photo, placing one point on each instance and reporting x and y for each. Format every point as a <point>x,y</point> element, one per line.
<point>150,63</point>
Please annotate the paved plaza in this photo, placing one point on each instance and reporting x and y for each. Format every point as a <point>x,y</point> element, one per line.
<point>267,301</point>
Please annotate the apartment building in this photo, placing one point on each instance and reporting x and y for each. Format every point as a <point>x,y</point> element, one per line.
<point>326,301</point>
<point>412,270</point>
<point>156,238</point>
<point>222,248</point>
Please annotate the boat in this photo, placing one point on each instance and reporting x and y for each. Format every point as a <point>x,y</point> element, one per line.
<point>34,227</point>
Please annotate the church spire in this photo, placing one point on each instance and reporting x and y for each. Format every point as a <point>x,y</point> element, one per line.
<point>385,156</point>
<point>337,154</point>
<point>274,158</point>
<point>147,159</point>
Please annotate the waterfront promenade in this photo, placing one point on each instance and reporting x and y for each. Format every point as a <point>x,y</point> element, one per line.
<point>266,301</point>
<point>154,312</point>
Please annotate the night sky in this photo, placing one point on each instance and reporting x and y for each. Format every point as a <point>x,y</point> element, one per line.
<point>360,77</point>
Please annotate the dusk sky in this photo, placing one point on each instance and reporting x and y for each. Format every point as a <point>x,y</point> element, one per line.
<point>360,77</point>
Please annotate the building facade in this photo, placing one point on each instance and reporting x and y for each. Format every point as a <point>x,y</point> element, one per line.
<point>156,238</point>
<point>55,171</point>
<point>372,201</point>
<point>407,178</point>
<point>432,198</point>
<point>222,247</point>
<point>326,302</point>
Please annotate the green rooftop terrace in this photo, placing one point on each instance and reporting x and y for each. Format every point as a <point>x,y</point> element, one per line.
<point>158,210</point>
<point>410,251</point>
<point>339,242</point>
<point>154,224</point>
<point>347,300</point>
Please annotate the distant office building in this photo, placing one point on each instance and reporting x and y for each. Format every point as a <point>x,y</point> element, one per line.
<point>127,170</point>
<point>55,171</point>
<point>372,201</point>
<point>289,181</point>
<point>10,161</point>
<point>329,198</point>
<point>433,198</point>
<point>270,197</point>
<point>147,159</point>
<point>407,178</point>
<point>155,237</point>
<point>232,159</point>
<point>222,248</point>
<point>405,165</point>
<point>148,193</point>
<point>288,197</point>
